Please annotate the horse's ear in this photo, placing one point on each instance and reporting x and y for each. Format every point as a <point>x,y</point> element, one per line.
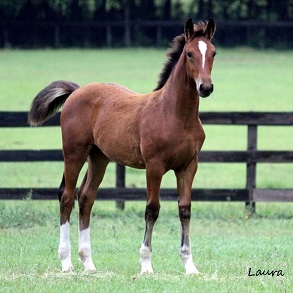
<point>188,30</point>
<point>211,28</point>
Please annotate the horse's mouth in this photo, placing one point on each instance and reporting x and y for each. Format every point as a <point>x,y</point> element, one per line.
<point>205,94</point>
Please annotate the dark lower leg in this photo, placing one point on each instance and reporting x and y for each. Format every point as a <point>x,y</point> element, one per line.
<point>185,249</point>
<point>154,175</point>
<point>151,215</point>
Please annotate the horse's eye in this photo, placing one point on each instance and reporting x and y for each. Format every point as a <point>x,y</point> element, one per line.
<point>189,54</point>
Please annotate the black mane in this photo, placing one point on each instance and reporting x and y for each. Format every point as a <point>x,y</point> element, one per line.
<point>174,52</point>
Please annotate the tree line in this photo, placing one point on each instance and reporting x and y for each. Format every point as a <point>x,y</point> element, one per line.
<point>101,10</point>
<point>37,23</point>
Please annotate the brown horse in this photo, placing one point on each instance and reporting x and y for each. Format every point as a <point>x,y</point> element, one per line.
<point>159,131</point>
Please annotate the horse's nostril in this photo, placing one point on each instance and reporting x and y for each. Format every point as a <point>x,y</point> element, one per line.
<point>206,90</point>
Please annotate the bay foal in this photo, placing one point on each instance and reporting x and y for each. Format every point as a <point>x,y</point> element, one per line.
<point>159,131</point>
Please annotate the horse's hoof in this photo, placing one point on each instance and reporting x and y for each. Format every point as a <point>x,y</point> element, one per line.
<point>68,269</point>
<point>90,269</point>
<point>147,272</point>
<point>193,271</point>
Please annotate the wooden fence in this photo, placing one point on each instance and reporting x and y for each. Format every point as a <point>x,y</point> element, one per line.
<point>250,194</point>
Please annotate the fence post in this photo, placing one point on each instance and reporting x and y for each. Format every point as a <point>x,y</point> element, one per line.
<point>6,38</point>
<point>159,35</point>
<point>120,183</point>
<point>109,35</point>
<point>127,32</point>
<point>57,36</point>
<point>251,167</point>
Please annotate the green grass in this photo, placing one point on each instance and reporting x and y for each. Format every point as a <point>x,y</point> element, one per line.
<point>225,245</point>
<point>245,80</point>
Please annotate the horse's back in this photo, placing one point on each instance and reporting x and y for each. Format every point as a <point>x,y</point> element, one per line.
<point>100,98</point>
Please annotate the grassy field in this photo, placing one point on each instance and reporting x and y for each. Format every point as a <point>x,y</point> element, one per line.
<point>245,80</point>
<point>225,242</point>
<point>225,245</point>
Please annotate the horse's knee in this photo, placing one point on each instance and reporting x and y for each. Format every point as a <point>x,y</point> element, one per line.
<point>66,202</point>
<point>185,212</point>
<point>152,212</point>
<point>86,200</point>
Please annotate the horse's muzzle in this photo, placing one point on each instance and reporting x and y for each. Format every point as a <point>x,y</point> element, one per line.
<point>205,90</point>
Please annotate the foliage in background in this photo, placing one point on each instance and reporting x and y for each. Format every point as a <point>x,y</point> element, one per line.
<point>268,10</point>
<point>85,23</point>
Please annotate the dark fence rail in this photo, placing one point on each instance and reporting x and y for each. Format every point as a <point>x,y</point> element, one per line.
<point>250,194</point>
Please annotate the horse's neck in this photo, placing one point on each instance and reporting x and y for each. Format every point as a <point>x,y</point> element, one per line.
<point>181,94</point>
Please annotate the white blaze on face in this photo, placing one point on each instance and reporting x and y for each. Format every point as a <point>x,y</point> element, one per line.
<point>202,48</point>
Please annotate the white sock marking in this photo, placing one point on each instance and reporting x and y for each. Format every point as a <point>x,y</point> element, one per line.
<point>85,250</point>
<point>145,260</point>
<point>186,257</point>
<point>65,248</point>
<point>202,48</point>
<point>84,237</point>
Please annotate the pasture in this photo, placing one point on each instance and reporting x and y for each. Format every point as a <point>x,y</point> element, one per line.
<point>225,243</point>
<point>244,79</point>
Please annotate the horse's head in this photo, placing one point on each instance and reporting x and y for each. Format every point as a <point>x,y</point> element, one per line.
<point>200,53</point>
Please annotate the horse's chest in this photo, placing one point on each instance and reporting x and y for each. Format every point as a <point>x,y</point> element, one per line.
<point>188,140</point>
<point>173,147</point>
<point>188,148</point>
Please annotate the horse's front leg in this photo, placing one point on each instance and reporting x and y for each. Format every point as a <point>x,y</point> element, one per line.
<point>154,177</point>
<point>184,185</point>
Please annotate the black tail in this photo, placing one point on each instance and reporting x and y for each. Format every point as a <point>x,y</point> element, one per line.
<point>49,100</point>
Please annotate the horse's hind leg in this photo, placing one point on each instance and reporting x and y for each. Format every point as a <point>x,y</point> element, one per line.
<point>74,159</point>
<point>97,163</point>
